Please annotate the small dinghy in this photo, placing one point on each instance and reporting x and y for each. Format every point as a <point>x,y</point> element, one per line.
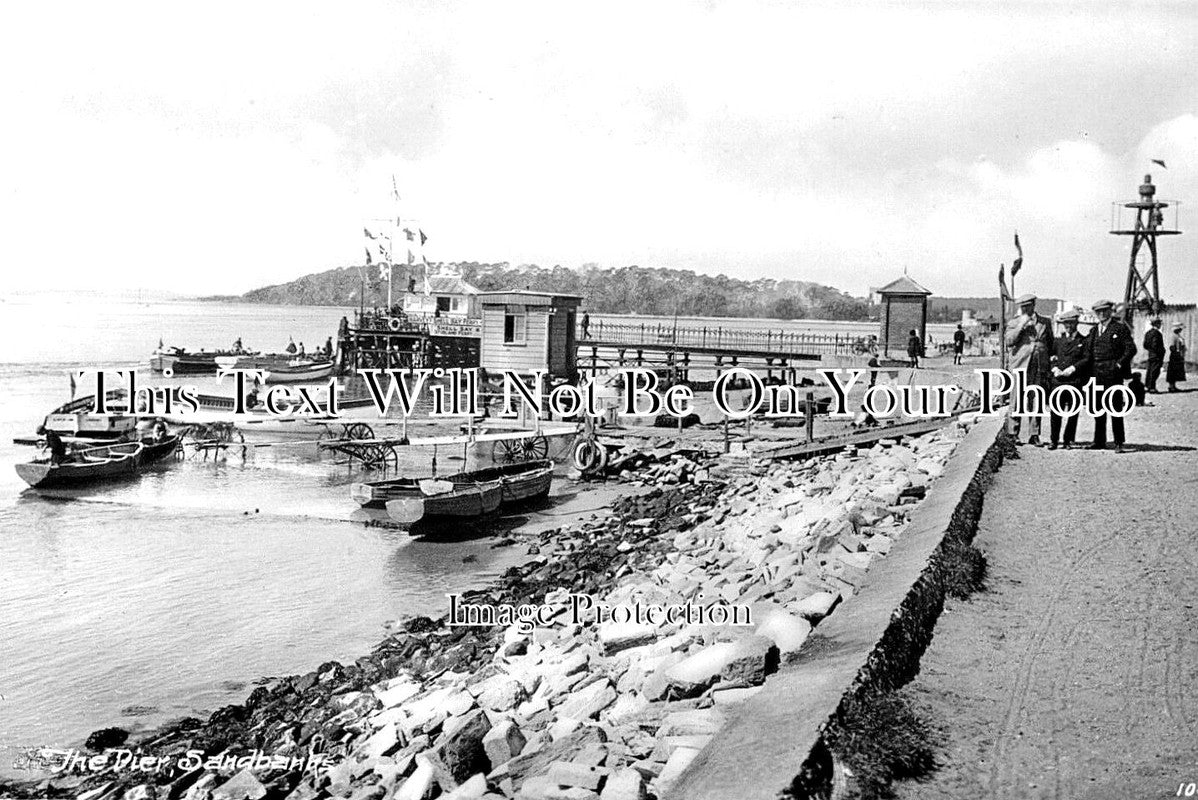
<point>299,371</point>
<point>94,464</point>
<point>523,482</point>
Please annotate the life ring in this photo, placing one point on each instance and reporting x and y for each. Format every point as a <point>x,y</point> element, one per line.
<point>601,462</point>
<point>393,323</point>
<point>585,454</point>
<point>589,456</point>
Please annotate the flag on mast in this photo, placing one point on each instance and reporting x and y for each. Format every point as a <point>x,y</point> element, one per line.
<point>1018,262</point>
<point>368,259</point>
<point>423,238</point>
<point>1002,286</point>
<point>394,188</point>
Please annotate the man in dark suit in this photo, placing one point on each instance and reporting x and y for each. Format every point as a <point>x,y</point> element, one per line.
<point>1154,346</point>
<point>1111,350</point>
<point>958,344</point>
<point>1030,342</point>
<point>1070,367</point>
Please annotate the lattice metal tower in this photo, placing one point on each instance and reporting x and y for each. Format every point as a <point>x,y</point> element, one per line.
<point>1142,291</point>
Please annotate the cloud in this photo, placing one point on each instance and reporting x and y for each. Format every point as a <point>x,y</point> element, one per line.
<point>838,143</point>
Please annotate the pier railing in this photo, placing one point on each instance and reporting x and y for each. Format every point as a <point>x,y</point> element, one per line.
<point>664,334</point>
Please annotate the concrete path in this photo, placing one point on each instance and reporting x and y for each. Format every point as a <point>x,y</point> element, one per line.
<point>1076,673</point>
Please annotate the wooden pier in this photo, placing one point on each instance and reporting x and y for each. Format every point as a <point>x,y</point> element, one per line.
<point>680,349</point>
<point>397,341</point>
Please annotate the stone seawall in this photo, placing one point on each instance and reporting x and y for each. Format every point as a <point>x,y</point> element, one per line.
<point>774,746</point>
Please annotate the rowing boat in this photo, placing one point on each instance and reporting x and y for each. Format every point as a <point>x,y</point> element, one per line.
<point>523,482</point>
<point>299,371</point>
<point>430,498</point>
<point>97,463</point>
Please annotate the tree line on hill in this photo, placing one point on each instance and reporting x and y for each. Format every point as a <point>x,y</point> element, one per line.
<point>612,290</point>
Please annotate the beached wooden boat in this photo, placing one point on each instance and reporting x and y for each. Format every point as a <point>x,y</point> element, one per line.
<point>430,498</point>
<point>518,483</point>
<point>97,463</point>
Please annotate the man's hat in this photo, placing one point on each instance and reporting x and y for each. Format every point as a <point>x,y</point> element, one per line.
<point>1025,298</point>
<point>1178,326</point>
<point>1155,321</point>
<point>1069,315</point>
<point>1101,304</point>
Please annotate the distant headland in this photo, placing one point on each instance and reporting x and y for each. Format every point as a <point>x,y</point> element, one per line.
<point>612,290</point>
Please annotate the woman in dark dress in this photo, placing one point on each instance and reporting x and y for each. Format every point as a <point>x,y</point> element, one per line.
<point>1176,371</point>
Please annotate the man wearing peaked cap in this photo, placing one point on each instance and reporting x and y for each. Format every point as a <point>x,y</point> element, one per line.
<point>1111,350</point>
<point>1154,346</point>
<point>1030,342</point>
<point>1070,367</point>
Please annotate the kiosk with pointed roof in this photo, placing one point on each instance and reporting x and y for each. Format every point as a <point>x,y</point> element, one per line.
<point>904,307</point>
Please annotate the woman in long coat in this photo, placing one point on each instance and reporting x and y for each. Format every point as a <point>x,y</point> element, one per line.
<point>1176,371</point>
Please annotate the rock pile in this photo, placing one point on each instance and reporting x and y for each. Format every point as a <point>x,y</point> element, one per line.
<point>600,710</point>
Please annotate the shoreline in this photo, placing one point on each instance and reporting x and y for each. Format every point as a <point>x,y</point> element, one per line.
<point>793,562</point>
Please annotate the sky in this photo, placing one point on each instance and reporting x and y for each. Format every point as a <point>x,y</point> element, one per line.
<point>216,147</point>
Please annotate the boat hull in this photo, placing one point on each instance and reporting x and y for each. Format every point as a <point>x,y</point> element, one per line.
<point>300,373</point>
<point>528,488</point>
<point>473,494</point>
<point>462,502</point>
<point>112,462</point>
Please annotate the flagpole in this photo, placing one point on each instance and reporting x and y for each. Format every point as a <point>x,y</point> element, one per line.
<point>394,238</point>
<point>1002,321</point>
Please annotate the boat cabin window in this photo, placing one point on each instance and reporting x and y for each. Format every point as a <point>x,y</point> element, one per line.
<point>443,303</point>
<point>514,323</point>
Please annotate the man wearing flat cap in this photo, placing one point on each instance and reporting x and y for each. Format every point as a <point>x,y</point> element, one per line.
<point>1111,350</point>
<point>1030,343</point>
<point>1154,346</point>
<point>1070,367</point>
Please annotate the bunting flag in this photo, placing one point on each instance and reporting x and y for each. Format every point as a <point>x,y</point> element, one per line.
<point>1018,262</point>
<point>394,188</point>
<point>408,233</point>
<point>411,257</point>
<point>369,261</point>
<point>423,238</point>
<point>385,252</point>
<point>1002,286</point>
<point>384,272</point>
<point>428,288</point>
<point>369,235</point>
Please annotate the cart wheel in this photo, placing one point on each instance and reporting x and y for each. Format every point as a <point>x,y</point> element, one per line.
<point>505,451</point>
<point>359,430</point>
<point>535,449</point>
<point>378,456</point>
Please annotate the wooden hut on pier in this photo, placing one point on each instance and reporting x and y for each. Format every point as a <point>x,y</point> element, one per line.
<point>527,331</point>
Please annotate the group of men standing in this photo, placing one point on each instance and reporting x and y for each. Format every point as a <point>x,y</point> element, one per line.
<point>1104,354</point>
